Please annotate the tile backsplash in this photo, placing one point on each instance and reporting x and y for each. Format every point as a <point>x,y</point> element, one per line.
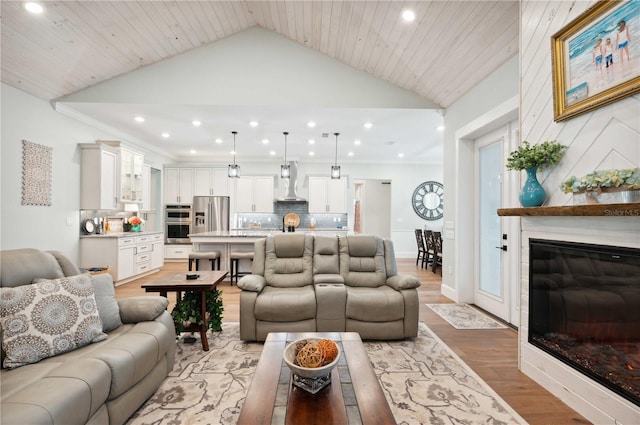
<point>274,221</point>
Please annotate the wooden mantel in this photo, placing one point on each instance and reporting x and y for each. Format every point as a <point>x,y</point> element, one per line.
<point>592,210</point>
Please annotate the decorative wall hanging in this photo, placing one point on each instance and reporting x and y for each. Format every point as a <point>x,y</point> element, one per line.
<point>36,174</point>
<point>428,200</point>
<point>595,58</point>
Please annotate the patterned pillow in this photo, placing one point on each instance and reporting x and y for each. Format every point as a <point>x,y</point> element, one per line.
<point>48,318</point>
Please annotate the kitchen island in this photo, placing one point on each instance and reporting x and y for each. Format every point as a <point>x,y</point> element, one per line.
<point>227,241</point>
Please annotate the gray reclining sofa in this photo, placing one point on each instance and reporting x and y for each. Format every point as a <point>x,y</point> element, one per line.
<point>101,383</point>
<point>306,283</point>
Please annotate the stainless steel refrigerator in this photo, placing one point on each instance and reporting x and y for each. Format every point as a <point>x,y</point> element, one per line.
<point>210,213</point>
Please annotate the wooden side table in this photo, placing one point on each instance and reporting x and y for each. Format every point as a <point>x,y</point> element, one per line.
<point>207,281</point>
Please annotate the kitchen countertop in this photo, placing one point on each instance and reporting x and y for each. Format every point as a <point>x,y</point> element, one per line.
<point>252,233</point>
<point>121,234</point>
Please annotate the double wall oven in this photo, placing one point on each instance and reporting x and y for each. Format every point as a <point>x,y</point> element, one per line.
<point>178,223</point>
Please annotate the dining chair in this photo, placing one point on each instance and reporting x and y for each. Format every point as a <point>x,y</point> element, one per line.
<point>431,249</point>
<point>422,251</point>
<point>437,259</point>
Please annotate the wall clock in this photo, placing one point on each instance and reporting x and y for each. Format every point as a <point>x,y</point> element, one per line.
<point>428,200</point>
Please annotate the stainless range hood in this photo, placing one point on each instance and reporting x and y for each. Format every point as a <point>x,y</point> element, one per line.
<point>291,185</point>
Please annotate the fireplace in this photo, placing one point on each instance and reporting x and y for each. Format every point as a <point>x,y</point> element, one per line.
<point>584,309</point>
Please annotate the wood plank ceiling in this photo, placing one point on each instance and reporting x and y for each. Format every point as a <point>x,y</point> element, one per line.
<point>449,48</point>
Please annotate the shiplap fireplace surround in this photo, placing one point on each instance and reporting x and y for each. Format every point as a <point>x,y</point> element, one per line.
<point>592,400</point>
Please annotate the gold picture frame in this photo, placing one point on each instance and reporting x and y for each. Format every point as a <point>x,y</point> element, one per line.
<point>583,82</point>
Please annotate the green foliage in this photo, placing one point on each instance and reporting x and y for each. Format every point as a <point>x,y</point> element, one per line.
<point>187,311</point>
<point>629,177</point>
<point>541,155</point>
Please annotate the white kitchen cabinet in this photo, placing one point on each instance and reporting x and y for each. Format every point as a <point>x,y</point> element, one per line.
<point>128,256</point>
<point>157,251</point>
<point>210,182</point>
<point>126,266</point>
<point>327,195</point>
<point>178,185</point>
<point>177,252</point>
<point>254,194</point>
<point>99,177</point>
<point>131,179</point>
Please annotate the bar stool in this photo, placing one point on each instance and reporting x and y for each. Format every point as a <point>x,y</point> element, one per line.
<point>213,256</point>
<point>235,257</point>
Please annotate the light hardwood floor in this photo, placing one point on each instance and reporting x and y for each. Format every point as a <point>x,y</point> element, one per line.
<point>492,354</point>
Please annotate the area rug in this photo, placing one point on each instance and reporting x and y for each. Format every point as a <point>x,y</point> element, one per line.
<point>463,316</point>
<point>423,380</point>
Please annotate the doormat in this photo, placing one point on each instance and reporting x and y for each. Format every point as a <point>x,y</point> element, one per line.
<point>463,316</point>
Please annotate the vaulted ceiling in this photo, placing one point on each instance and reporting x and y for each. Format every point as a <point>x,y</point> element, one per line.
<point>448,49</point>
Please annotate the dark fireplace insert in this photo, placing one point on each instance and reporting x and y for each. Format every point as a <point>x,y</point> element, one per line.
<point>584,309</point>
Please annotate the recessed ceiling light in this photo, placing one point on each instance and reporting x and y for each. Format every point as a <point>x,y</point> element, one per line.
<point>272,153</point>
<point>367,125</point>
<point>253,123</point>
<point>311,141</point>
<point>166,135</point>
<point>311,153</point>
<point>440,128</point>
<point>33,7</point>
<point>408,15</point>
<point>196,123</point>
<point>311,124</point>
<point>401,155</point>
<point>265,141</point>
<point>357,142</point>
<point>218,140</point>
<point>193,151</point>
<point>350,153</point>
<point>139,118</point>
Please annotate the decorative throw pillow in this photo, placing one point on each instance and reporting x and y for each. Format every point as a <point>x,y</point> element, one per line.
<point>106,301</point>
<point>48,318</point>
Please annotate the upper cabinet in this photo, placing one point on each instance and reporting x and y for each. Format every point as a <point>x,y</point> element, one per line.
<point>181,184</point>
<point>327,195</point>
<point>131,169</point>
<point>254,194</point>
<point>211,182</point>
<point>99,177</point>
<point>178,185</point>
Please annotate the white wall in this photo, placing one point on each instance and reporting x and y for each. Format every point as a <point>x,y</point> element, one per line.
<point>496,90</point>
<point>25,117</point>
<point>608,137</point>
<point>253,67</point>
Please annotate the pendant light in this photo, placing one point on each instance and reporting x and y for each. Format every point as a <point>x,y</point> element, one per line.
<point>234,170</point>
<point>335,169</point>
<point>285,170</point>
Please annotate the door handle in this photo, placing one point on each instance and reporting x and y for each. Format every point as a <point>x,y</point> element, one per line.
<point>503,247</point>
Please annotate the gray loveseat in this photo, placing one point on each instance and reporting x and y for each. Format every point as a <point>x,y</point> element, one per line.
<point>101,383</point>
<point>305,283</point>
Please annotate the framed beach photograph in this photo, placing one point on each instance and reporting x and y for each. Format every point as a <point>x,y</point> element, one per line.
<point>596,58</point>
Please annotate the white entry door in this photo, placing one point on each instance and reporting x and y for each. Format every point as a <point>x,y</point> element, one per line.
<point>494,288</point>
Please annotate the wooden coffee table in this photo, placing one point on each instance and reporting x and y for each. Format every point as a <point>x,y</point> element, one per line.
<point>208,281</point>
<point>353,397</point>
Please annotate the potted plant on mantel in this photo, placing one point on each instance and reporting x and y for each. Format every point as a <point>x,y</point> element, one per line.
<point>531,158</point>
<point>187,311</point>
<point>616,186</point>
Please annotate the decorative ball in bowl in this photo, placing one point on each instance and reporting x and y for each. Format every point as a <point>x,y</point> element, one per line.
<point>312,357</point>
